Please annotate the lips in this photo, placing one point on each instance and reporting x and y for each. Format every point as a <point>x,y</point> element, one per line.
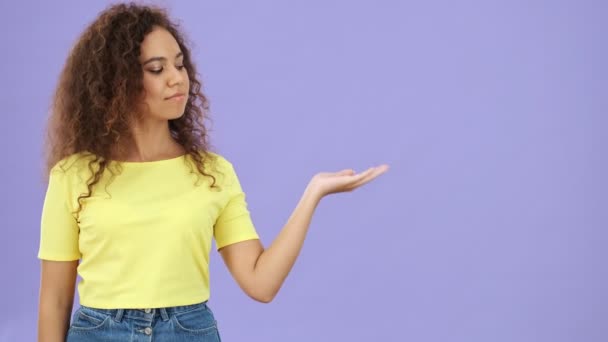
<point>177,96</point>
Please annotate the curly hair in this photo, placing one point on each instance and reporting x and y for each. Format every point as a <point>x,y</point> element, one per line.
<point>99,87</point>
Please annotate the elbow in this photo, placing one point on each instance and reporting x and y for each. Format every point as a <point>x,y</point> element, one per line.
<point>263,296</point>
<point>264,300</point>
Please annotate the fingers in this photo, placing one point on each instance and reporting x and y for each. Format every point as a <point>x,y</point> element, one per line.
<point>368,175</point>
<point>373,171</point>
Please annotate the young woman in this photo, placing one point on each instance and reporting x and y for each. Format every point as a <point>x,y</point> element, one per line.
<point>135,196</point>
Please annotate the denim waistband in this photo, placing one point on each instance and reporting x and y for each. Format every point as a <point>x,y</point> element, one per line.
<point>147,313</point>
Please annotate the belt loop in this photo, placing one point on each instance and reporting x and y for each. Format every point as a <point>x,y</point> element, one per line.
<point>119,314</point>
<point>164,314</point>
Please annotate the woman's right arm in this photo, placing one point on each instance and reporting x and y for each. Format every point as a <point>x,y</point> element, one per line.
<point>57,284</point>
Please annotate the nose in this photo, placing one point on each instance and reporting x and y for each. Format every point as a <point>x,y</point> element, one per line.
<point>175,76</point>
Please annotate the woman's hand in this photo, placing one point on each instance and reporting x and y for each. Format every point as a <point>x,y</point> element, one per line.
<point>325,183</point>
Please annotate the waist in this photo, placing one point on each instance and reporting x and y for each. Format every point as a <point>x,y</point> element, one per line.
<point>148,313</point>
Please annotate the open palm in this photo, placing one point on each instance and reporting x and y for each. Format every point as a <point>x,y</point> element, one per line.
<point>346,180</point>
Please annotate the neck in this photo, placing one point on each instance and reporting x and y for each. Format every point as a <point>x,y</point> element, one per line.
<point>151,140</point>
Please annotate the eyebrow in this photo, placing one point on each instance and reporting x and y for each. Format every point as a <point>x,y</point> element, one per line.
<point>179,54</point>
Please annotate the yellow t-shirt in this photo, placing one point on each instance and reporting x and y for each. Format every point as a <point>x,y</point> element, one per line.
<point>145,242</point>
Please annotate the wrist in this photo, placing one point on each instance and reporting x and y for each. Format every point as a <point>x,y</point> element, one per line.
<point>313,192</point>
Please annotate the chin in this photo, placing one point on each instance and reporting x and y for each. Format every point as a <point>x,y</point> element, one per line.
<point>176,116</point>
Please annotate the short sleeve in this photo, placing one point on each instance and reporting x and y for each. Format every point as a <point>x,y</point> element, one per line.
<point>234,222</point>
<point>58,227</point>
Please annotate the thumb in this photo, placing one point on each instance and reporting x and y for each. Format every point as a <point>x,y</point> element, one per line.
<point>346,172</point>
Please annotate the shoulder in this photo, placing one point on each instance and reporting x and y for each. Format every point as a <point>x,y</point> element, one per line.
<point>222,167</point>
<point>78,159</point>
<point>76,164</point>
<point>219,161</point>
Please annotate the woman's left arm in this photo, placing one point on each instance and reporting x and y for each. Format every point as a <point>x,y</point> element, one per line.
<point>261,272</point>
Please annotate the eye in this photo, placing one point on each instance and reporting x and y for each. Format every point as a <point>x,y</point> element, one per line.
<point>158,71</point>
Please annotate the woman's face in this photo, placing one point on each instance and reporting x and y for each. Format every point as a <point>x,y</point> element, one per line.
<point>165,79</point>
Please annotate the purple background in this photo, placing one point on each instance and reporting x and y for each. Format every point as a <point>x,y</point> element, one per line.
<point>489,226</point>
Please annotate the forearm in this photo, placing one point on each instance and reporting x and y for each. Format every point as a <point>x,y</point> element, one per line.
<point>275,263</point>
<point>53,322</point>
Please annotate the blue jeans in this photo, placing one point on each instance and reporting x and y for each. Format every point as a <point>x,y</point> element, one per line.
<point>173,324</point>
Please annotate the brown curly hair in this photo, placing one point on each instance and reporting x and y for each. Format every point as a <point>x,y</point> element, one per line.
<point>99,88</point>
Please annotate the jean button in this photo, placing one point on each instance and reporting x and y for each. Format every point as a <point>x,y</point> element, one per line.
<point>148,331</point>
<point>147,310</point>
